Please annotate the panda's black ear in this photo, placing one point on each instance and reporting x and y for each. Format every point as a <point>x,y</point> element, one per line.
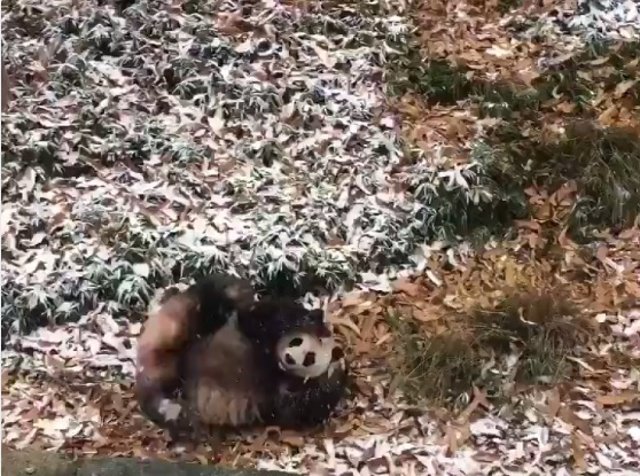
<point>317,316</point>
<point>337,353</point>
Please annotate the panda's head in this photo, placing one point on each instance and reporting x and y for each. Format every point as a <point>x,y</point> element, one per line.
<point>307,355</point>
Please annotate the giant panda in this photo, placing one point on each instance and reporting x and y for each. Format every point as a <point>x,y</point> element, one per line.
<point>210,356</point>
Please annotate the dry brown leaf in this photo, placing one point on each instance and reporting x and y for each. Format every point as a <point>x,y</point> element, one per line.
<point>291,439</point>
<point>324,56</point>
<point>510,274</point>
<point>529,224</point>
<point>367,326</point>
<point>352,299</point>
<point>617,398</point>
<point>362,347</point>
<point>481,397</point>
<point>568,416</point>
<point>623,87</point>
<point>6,374</point>
<point>602,253</point>
<point>201,459</point>
<point>565,191</point>
<point>528,76</point>
<point>345,322</point>
<point>607,117</point>
<point>362,307</point>
<point>407,287</point>
<point>566,107</point>
<point>424,316</point>
<point>565,241</point>
<point>451,440</point>
<point>628,234</point>
<point>632,288</point>
<point>384,338</point>
<point>578,452</point>
<point>554,403</point>
<point>467,412</point>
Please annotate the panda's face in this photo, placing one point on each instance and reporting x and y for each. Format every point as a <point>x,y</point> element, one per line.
<point>306,355</point>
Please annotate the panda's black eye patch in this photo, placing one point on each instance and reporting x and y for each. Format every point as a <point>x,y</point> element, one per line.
<point>295,342</point>
<point>309,359</point>
<point>337,353</point>
<point>289,360</point>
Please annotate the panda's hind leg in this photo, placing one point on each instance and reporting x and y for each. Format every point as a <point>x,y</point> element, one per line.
<point>220,297</point>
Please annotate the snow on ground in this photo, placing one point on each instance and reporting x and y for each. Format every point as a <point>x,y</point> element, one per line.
<point>143,146</point>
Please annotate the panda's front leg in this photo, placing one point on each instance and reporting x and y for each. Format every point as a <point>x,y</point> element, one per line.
<point>298,403</point>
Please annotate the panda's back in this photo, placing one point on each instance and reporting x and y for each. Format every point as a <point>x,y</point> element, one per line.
<point>224,385</point>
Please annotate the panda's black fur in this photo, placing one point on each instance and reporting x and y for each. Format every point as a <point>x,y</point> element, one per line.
<point>228,371</point>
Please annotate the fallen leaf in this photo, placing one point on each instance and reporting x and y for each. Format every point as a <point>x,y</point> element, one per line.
<point>499,52</point>
<point>345,322</point>
<point>142,269</point>
<point>53,425</point>
<point>602,253</point>
<point>632,288</point>
<point>607,117</point>
<point>578,452</point>
<point>297,441</point>
<point>617,398</point>
<point>424,316</point>
<point>623,87</point>
<point>352,299</point>
<point>324,56</point>
<point>216,123</point>
<point>568,416</point>
<point>451,441</point>
<point>406,286</point>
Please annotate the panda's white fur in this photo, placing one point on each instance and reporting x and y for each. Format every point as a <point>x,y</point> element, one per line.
<point>304,355</point>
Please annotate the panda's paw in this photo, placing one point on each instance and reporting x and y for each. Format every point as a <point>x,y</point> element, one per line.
<point>169,409</point>
<point>241,293</point>
<point>338,366</point>
<point>162,295</point>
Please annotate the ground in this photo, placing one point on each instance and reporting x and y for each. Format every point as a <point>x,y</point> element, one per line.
<point>46,463</point>
<point>459,178</point>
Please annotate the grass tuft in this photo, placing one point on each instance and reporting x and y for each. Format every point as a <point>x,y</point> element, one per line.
<point>435,368</point>
<point>438,81</point>
<point>526,338</point>
<point>505,6</point>
<point>600,66</point>
<point>545,328</point>
<point>604,165</point>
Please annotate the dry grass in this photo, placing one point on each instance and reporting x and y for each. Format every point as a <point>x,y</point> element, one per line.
<point>526,338</point>
<point>434,368</point>
<point>602,163</point>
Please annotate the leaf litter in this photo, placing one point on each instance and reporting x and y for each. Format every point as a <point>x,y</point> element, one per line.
<point>64,399</point>
<point>123,172</point>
